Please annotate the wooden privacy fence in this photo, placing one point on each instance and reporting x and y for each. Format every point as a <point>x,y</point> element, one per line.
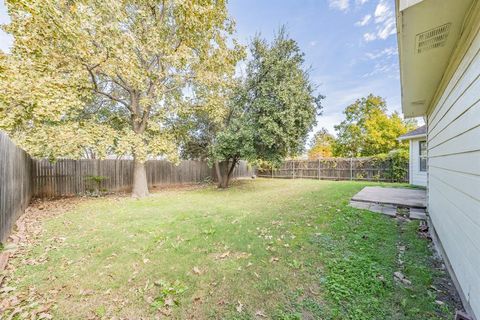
<point>76,177</point>
<point>22,178</point>
<point>16,188</point>
<point>366,169</point>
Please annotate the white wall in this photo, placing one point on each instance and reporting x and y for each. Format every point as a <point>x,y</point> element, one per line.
<point>454,173</point>
<point>416,177</point>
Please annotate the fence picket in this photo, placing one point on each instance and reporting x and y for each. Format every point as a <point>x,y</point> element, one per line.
<point>68,177</point>
<point>16,189</point>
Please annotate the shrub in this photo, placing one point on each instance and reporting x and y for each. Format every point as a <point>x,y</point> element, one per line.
<point>398,164</point>
<point>96,181</point>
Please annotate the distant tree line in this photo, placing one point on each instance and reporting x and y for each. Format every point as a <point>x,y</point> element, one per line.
<point>367,130</point>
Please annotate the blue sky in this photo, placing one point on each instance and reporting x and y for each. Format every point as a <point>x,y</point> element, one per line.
<point>349,44</point>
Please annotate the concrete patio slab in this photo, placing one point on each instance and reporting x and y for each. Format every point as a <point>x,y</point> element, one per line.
<point>386,209</point>
<point>418,214</point>
<point>401,197</point>
<point>360,205</point>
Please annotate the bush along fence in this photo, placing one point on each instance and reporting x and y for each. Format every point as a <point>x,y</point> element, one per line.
<point>22,178</point>
<point>364,169</point>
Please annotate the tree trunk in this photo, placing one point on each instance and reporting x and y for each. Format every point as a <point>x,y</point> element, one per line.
<point>219,174</point>
<point>140,186</point>
<point>224,179</point>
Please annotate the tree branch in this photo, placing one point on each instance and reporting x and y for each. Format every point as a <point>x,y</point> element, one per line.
<point>97,90</point>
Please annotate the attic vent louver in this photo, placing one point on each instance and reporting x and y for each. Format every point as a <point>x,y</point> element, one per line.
<point>431,39</point>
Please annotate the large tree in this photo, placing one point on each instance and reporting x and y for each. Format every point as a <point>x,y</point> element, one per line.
<point>268,113</point>
<point>111,76</point>
<point>321,145</point>
<point>368,129</point>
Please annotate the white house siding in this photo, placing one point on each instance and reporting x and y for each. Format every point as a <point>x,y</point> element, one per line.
<point>454,173</point>
<point>417,177</point>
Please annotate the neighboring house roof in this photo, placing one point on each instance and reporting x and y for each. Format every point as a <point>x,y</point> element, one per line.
<point>427,32</point>
<point>420,132</point>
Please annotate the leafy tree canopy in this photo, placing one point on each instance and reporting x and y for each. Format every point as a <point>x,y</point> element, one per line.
<point>321,145</point>
<point>269,112</point>
<point>112,75</point>
<point>368,130</point>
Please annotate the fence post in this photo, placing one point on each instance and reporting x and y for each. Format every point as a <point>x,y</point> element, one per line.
<point>351,169</point>
<point>318,168</point>
<point>271,171</point>
<point>293,168</point>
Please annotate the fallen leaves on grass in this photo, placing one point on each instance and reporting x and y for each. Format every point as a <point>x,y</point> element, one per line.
<point>197,271</point>
<point>231,255</point>
<point>45,316</point>
<point>260,313</point>
<point>223,255</point>
<point>7,289</point>
<point>24,305</point>
<point>28,303</point>
<point>239,307</point>
<point>274,259</point>
<point>400,277</point>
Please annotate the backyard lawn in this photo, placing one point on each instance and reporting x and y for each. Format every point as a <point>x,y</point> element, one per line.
<point>263,249</point>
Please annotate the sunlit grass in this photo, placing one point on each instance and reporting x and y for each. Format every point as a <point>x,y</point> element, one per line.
<point>282,249</point>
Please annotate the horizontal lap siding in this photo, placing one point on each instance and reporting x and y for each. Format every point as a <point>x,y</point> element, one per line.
<point>461,251</point>
<point>454,173</point>
<point>417,177</point>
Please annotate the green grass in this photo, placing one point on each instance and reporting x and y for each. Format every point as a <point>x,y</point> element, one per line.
<point>267,249</point>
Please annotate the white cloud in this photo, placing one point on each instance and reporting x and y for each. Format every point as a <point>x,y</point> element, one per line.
<point>384,17</point>
<point>382,11</point>
<point>361,2</point>
<point>387,52</point>
<point>387,29</point>
<point>369,36</point>
<point>365,20</point>
<point>313,43</point>
<point>389,68</point>
<point>341,5</point>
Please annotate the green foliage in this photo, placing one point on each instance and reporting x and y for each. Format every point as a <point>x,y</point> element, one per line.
<point>96,181</point>
<point>321,145</point>
<point>398,163</point>
<point>274,106</point>
<point>368,130</point>
<point>112,76</point>
<point>169,294</point>
<point>268,114</point>
<point>359,281</point>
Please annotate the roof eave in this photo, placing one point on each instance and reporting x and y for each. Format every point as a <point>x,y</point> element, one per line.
<point>421,70</point>
<point>417,136</point>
